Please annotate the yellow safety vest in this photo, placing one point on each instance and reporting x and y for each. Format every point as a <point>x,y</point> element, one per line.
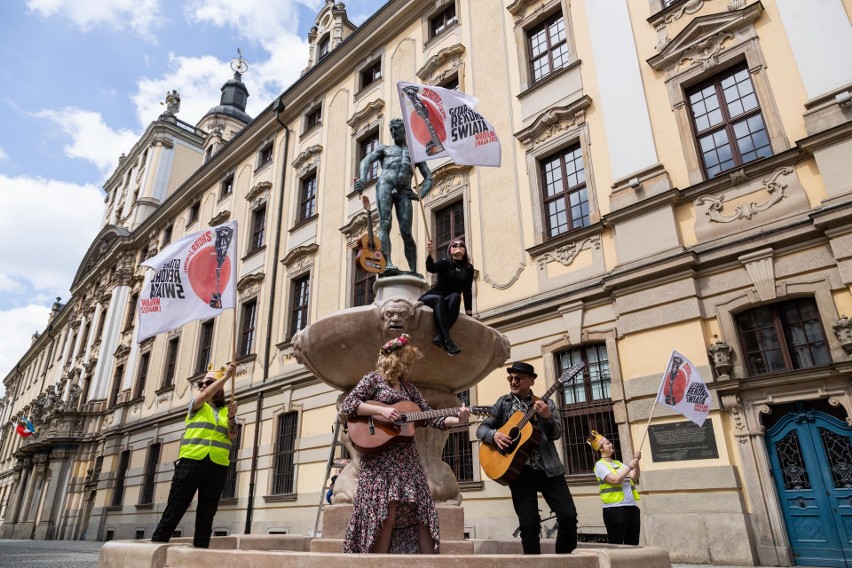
<point>611,493</point>
<point>207,434</point>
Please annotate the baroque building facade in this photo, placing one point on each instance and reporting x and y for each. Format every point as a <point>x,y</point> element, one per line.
<point>675,175</point>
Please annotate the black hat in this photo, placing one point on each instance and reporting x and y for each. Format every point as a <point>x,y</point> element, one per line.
<point>523,368</point>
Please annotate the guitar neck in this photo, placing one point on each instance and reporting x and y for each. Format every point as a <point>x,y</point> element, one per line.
<point>427,414</point>
<point>567,376</point>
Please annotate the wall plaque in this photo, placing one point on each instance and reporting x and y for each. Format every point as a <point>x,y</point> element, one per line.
<point>683,441</point>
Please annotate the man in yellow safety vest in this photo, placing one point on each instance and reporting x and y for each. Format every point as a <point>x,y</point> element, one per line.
<point>203,460</point>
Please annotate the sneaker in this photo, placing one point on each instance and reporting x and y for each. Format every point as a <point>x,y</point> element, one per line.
<point>438,341</point>
<point>451,348</point>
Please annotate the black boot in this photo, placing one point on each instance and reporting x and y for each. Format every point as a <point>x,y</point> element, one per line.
<point>438,341</point>
<point>451,348</point>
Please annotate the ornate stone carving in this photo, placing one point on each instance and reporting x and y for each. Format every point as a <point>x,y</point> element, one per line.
<point>554,121</point>
<point>504,285</point>
<point>761,269</point>
<point>366,116</point>
<point>222,216</point>
<point>705,52</point>
<point>300,258</point>
<point>713,205</point>
<point>845,403</point>
<point>566,254</point>
<point>258,190</point>
<point>720,353</point>
<point>357,226</point>
<point>451,55</point>
<point>843,330</point>
<point>733,404</point>
<point>446,180</point>
<point>249,284</point>
<point>307,159</point>
<point>688,7</point>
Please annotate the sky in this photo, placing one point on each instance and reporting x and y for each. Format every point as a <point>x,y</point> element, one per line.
<point>84,80</point>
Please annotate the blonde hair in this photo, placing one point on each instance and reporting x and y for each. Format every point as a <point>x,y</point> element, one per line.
<point>395,365</point>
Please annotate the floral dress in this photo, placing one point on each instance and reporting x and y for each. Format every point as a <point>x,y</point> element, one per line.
<point>393,474</point>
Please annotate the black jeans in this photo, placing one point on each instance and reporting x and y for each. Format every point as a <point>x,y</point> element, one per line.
<point>445,311</point>
<point>622,524</point>
<point>208,479</point>
<point>555,491</point>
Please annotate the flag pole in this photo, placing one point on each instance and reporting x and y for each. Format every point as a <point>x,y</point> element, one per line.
<point>648,425</point>
<point>234,350</point>
<point>422,207</point>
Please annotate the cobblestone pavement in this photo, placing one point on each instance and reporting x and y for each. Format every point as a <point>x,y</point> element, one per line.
<point>49,553</point>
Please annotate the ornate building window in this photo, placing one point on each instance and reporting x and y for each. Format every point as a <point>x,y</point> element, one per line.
<point>264,156</point>
<point>727,121</point>
<point>230,489</point>
<point>458,452</point>
<point>548,47</point>
<point>443,21</point>
<point>370,75</point>
<point>782,337</point>
<point>312,118</point>
<point>367,144</point>
<point>120,477</point>
<point>566,198</point>
<point>146,495</point>
<point>324,47</point>
<point>205,347</point>
<point>116,385</point>
<point>171,362</point>
<point>449,225</point>
<point>362,285</point>
<point>227,186</point>
<point>308,197</point>
<point>248,327</point>
<point>284,469</point>
<point>258,228</point>
<point>142,375</point>
<point>300,296</point>
<point>586,405</point>
<point>194,212</point>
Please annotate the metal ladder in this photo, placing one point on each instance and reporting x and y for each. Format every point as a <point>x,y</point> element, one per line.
<point>335,443</point>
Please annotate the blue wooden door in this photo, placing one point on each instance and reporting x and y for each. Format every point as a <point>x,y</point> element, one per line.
<point>811,457</point>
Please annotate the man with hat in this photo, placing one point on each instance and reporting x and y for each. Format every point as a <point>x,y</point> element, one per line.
<point>543,471</point>
<point>203,459</point>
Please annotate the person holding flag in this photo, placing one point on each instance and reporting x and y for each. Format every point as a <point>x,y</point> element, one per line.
<point>618,492</point>
<point>203,460</point>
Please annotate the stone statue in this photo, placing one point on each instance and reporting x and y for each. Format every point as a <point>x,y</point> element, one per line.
<point>50,403</point>
<point>393,188</point>
<point>172,103</point>
<point>70,405</point>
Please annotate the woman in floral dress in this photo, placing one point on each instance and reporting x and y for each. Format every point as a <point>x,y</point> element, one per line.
<point>393,510</point>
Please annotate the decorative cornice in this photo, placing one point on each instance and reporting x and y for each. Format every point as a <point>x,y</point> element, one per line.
<point>565,255</point>
<point>713,204</point>
<point>554,120</point>
<point>356,226</point>
<point>437,60</point>
<point>299,252</point>
<point>309,153</point>
<point>223,216</point>
<point>258,189</point>
<point>250,280</point>
<point>366,114</point>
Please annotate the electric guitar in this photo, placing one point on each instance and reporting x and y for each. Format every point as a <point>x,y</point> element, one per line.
<point>434,145</point>
<point>370,255</point>
<point>503,466</point>
<point>370,434</point>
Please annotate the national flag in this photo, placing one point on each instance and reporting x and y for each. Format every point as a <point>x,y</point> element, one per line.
<point>442,122</point>
<point>25,428</point>
<point>194,278</point>
<point>683,391</point>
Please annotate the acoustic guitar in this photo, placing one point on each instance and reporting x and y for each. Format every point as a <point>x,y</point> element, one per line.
<point>370,434</point>
<point>503,466</point>
<point>370,255</point>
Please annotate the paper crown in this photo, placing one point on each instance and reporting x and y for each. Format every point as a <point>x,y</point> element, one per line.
<point>217,373</point>
<point>595,441</point>
<point>395,344</point>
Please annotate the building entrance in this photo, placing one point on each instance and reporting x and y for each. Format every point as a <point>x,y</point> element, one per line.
<point>811,456</point>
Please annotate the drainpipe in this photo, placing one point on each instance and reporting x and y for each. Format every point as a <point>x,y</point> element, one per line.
<point>278,107</point>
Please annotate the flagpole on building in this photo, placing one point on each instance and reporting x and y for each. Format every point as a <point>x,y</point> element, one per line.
<point>422,207</point>
<point>234,350</point>
<point>648,425</point>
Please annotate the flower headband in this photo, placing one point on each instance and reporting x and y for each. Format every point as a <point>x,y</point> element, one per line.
<point>395,344</point>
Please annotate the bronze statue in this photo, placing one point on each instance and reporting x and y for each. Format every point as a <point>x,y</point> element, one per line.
<point>393,188</point>
<point>172,103</point>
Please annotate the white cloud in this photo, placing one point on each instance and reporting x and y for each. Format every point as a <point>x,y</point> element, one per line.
<point>3,155</point>
<point>16,328</point>
<point>259,20</point>
<point>139,16</point>
<point>46,227</point>
<point>91,138</point>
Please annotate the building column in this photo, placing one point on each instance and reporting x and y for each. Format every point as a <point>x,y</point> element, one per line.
<point>24,527</point>
<point>46,527</point>
<point>22,473</point>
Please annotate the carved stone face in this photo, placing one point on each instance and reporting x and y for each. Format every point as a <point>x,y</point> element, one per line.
<point>396,317</point>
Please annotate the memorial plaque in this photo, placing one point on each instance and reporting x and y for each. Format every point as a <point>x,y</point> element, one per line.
<point>683,441</point>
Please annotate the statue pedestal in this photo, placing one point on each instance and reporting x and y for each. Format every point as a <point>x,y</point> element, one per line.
<point>335,519</point>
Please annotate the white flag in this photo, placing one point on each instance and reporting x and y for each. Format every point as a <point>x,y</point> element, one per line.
<point>194,278</point>
<point>441,122</point>
<point>683,390</point>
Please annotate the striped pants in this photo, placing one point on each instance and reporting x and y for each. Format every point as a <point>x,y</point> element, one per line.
<point>208,479</point>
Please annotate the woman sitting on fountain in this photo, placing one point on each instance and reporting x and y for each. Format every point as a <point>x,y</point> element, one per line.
<point>393,510</point>
<point>455,279</point>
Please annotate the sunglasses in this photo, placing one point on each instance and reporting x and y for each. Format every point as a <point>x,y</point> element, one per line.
<point>205,384</point>
<point>457,245</point>
<point>513,378</point>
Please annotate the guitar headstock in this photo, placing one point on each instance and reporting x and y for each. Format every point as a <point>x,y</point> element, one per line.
<point>482,410</point>
<point>366,202</point>
<point>571,372</point>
